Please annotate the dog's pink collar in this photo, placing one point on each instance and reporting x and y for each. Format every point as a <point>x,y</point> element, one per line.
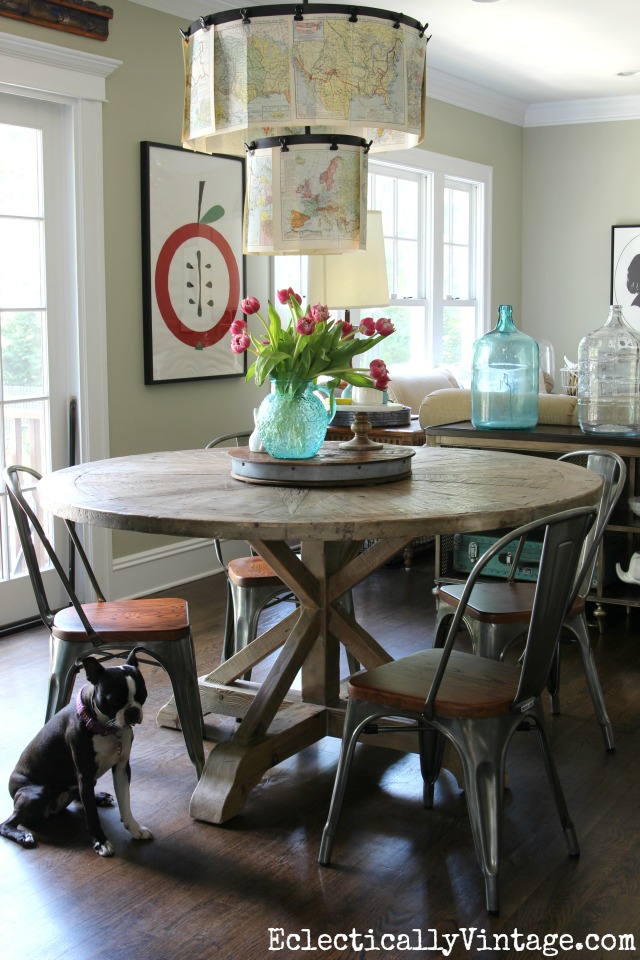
<point>92,725</point>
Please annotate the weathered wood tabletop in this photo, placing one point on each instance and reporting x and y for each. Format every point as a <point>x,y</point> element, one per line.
<point>192,494</point>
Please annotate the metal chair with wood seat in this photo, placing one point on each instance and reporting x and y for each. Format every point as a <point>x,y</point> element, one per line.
<point>107,629</point>
<point>476,703</point>
<point>252,586</point>
<point>498,611</point>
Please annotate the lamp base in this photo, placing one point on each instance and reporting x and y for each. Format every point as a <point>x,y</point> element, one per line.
<point>361,429</point>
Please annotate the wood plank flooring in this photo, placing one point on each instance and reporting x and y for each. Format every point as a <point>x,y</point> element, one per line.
<point>201,891</point>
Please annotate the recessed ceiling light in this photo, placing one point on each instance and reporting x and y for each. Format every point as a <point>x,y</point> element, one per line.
<point>623,73</point>
<point>486,1</point>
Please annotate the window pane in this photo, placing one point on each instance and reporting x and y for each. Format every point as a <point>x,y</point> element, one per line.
<point>400,347</point>
<point>20,193</point>
<point>407,269</point>
<point>384,200</point>
<point>460,273</point>
<point>458,334</point>
<point>21,263</point>
<point>23,361</point>
<point>25,433</point>
<point>460,213</point>
<point>408,209</point>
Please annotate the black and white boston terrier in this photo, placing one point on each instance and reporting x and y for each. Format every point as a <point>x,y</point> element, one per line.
<point>74,748</point>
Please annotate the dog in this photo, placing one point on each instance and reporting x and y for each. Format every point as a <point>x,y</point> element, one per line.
<point>74,749</point>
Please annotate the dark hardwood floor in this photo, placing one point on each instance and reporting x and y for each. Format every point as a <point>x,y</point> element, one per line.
<point>200,891</point>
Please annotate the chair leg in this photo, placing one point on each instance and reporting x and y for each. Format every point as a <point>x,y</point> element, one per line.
<point>228,641</point>
<point>580,630</point>
<point>556,787</point>
<point>178,659</point>
<point>482,747</point>
<point>357,715</point>
<point>62,672</point>
<point>431,744</point>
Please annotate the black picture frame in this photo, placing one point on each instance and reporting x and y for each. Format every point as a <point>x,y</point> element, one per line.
<point>193,273</point>
<point>625,271</point>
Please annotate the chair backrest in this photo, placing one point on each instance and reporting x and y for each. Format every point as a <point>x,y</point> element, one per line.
<point>564,535</point>
<point>27,525</point>
<point>228,439</point>
<point>613,471</point>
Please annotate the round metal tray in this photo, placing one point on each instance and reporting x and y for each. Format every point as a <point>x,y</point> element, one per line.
<point>332,466</point>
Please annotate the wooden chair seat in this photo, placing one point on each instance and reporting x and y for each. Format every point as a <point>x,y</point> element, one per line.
<point>471,687</point>
<point>125,620</point>
<point>500,602</point>
<point>253,572</point>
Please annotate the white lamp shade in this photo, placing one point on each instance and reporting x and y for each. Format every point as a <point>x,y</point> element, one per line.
<point>354,279</point>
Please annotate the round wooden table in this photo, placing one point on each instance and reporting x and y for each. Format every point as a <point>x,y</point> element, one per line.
<point>345,532</point>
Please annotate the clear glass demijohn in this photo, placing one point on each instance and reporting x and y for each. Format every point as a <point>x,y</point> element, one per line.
<point>505,377</point>
<point>609,378</point>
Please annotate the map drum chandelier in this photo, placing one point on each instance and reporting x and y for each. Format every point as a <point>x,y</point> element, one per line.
<point>306,90</point>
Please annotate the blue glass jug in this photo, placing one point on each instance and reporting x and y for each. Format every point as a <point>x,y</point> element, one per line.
<point>505,377</point>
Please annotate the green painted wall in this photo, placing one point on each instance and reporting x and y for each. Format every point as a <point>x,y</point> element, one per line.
<point>579,181</point>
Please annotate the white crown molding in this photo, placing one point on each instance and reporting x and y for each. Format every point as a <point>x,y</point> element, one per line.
<point>22,62</point>
<point>470,96</point>
<point>598,110</point>
<point>188,9</point>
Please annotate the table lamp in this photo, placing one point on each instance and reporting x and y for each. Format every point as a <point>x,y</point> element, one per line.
<point>352,281</point>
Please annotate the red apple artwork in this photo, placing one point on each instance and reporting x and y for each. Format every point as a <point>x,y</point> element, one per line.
<point>200,288</point>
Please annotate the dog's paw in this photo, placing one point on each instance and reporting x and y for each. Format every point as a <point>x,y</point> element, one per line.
<point>139,832</point>
<point>103,849</point>
<point>104,800</point>
<point>27,839</point>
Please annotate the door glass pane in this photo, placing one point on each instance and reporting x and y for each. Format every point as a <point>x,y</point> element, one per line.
<point>22,281</point>
<point>23,320</point>
<point>23,355</point>
<point>20,172</point>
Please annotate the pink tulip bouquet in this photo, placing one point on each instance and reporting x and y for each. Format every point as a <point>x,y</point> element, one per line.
<point>310,345</point>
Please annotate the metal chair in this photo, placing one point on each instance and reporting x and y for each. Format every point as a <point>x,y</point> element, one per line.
<point>474,702</point>
<point>252,586</point>
<point>498,612</point>
<point>159,627</point>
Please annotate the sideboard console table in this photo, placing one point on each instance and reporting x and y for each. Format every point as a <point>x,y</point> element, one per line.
<point>622,537</point>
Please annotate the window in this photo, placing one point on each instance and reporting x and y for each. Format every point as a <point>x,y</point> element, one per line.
<point>436,223</point>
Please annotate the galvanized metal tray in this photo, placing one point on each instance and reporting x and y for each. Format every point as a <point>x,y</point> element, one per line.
<point>332,466</point>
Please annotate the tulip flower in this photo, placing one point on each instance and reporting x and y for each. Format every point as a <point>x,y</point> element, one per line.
<point>238,326</point>
<point>240,342</point>
<point>384,327</point>
<point>250,305</point>
<point>305,325</point>
<point>367,326</point>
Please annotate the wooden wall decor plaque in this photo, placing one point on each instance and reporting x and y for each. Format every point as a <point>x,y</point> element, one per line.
<point>74,16</point>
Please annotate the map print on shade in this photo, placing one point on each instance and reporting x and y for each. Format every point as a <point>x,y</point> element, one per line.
<point>336,76</point>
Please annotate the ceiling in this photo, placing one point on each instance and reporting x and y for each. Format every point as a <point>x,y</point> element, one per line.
<point>531,51</point>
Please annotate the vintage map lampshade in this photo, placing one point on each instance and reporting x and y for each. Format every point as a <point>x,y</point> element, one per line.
<point>306,90</point>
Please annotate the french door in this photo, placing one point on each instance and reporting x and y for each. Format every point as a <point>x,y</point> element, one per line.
<point>37,313</point>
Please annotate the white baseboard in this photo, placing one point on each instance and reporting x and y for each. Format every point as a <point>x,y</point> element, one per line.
<point>148,572</point>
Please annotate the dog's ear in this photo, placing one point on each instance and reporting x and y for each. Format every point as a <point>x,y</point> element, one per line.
<point>93,669</point>
<point>132,660</point>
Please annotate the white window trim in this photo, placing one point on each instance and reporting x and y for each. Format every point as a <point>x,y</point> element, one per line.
<point>44,71</point>
<point>425,160</point>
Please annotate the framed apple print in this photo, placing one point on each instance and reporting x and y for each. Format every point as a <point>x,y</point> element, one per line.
<point>193,266</point>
